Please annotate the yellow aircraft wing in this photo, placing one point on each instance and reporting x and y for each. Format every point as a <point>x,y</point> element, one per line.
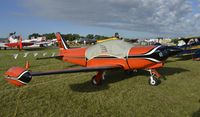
<point>113,38</point>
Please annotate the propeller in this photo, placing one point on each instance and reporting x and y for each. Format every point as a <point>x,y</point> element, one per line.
<point>20,46</point>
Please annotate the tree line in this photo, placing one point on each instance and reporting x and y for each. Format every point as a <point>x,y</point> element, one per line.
<point>70,37</point>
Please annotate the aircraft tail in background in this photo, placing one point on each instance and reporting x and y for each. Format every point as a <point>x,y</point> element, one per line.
<point>12,39</point>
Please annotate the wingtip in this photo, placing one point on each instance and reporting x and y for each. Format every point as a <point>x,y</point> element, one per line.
<point>18,76</point>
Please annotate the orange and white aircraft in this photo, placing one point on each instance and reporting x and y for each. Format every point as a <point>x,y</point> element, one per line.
<point>108,55</point>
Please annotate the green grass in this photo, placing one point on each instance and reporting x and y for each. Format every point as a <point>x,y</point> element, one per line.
<point>120,95</point>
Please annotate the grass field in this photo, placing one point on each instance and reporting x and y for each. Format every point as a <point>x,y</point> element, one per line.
<point>120,95</point>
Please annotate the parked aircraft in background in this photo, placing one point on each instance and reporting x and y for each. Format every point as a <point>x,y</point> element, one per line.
<point>108,55</point>
<point>114,37</point>
<point>109,39</point>
<point>190,48</point>
<point>86,41</point>
<point>15,41</point>
<point>38,42</point>
<point>196,55</point>
<point>3,41</point>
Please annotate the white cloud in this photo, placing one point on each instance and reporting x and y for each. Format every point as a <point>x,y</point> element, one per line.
<point>175,17</point>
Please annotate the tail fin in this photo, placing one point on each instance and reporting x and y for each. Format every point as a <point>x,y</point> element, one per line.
<point>11,39</point>
<point>61,43</point>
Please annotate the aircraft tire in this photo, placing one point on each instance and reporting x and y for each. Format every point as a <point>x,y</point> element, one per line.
<point>153,81</point>
<point>94,82</point>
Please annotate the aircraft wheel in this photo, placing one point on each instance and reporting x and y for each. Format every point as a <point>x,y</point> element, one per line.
<point>94,82</point>
<point>153,81</point>
<point>103,76</point>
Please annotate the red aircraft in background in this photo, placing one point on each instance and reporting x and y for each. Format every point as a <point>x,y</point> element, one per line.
<point>16,41</point>
<point>108,55</point>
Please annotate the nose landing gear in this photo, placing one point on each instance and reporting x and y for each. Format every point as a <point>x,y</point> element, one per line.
<point>154,78</point>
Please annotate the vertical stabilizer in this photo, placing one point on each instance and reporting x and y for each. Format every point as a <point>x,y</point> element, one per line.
<point>61,42</point>
<point>12,39</point>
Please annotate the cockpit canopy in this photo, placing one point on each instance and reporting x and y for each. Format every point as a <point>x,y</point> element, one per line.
<point>114,48</point>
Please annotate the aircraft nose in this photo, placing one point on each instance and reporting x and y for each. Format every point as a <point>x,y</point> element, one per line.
<point>172,50</point>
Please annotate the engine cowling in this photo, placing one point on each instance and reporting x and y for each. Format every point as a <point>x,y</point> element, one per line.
<point>18,76</point>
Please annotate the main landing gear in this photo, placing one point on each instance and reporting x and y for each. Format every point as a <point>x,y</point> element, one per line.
<point>154,78</point>
<point>97,79</point>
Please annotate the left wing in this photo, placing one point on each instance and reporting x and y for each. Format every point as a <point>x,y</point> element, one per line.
<point>74,70</point>
<point>50,57</point>
<point>21,76</point>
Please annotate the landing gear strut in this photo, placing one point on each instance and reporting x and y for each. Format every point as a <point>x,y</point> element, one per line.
<point>154,78</point>
<point>97,79</point>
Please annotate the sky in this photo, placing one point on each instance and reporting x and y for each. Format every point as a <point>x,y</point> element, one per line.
<point>130,18</point>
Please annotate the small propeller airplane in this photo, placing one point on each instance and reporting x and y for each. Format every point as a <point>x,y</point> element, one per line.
<point>190,46</point>
<point>108,55</point>
<point>16,42</point>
